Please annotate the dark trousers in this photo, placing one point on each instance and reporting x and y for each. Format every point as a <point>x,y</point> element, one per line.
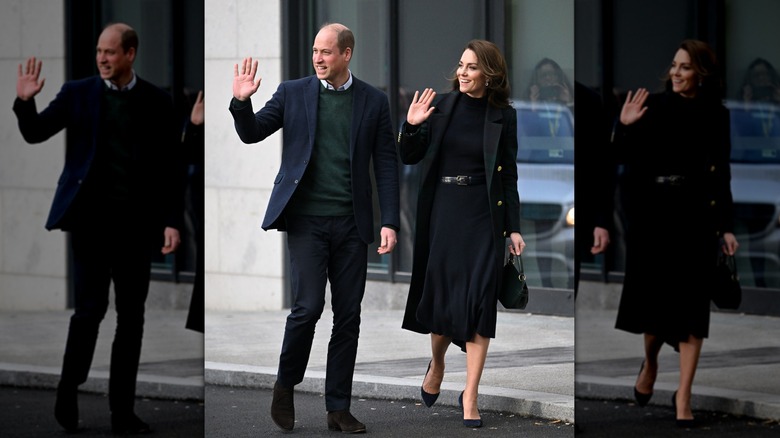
<point>100,256</point>
<point>324,249</point>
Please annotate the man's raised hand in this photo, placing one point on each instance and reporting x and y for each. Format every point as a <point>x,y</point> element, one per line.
<point>244,84</point>
<point>27,82</point>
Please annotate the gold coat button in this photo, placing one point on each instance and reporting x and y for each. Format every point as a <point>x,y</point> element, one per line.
<point>712,203</point>
<point>500,203</point>
<point>500,168</point>
<point>712,168</point>
<point>504,233</point>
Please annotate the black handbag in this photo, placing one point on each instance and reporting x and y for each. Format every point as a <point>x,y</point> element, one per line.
<point>514,290</point>
<point>726,290</point>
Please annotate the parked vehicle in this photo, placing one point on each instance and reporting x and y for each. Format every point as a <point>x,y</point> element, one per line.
<point>545,169</point>
<point>755,186</point>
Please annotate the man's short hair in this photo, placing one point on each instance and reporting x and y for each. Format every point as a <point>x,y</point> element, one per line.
<point>345,37</point>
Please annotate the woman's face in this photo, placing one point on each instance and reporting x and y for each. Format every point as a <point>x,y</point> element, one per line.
<point>548,76</point>
<point>684,80</point>
<point>760,76</point>
<point>470,77</point>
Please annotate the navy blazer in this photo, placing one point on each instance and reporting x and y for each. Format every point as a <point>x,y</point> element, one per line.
<point>294,107</point>
<point>157,170</point>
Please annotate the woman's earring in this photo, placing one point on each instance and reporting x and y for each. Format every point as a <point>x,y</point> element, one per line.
<point>487,83</point>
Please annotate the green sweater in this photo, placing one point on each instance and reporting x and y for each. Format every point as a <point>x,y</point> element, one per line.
<point>114,154</point>
<point>326,187</point>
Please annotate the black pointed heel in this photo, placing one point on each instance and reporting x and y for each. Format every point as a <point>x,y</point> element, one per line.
<point>682,424</point>
<point>641,398</point>
<point>468,423</point>
<point>428,398</point>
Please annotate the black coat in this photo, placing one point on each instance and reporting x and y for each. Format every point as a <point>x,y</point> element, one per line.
<point>673,228</point>
<point>500,152</point>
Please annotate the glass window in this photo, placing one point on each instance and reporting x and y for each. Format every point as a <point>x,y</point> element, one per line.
<point>753,98</point>
<point>542,71</point>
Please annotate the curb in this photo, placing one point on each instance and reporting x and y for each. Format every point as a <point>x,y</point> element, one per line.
<point>513,401</point>
<point>148,385</point>
<point>705,398</point>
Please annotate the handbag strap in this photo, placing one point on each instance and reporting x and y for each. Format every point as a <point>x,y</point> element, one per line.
<point>521,270</point>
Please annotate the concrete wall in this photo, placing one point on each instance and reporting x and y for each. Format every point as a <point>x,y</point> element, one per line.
<point>244,268</point>
<point>32,260</point>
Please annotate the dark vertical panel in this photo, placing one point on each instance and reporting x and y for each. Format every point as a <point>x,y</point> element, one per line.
<point>296,16</point>
<point>395,105</point>
<point>82,19</point>
<point>82,28</point>
<point>495,23</point>
<point>710,26</point>
<point>178,37</point>
<point>296,36</point>
<point>607,56</point>
<point>393,49</point>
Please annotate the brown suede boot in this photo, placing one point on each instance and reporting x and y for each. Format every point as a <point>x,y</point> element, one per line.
<point>283,407</point>
<point>345,422</point>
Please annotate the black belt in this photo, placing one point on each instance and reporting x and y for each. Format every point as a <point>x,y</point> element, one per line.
<point>670,180</point>
<point>462,180</point>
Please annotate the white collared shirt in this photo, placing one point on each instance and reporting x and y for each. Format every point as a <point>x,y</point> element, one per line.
<point>127,87</point>
<point>344,87</point>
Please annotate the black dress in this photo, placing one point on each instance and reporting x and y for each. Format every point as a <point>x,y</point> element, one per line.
<point>677,198</point>
<point>460,292</point>
<point>460,232</point>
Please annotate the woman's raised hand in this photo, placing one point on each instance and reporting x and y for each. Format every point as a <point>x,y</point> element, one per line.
<point>244,84</point>
<point>633,108</point>
<point>421,108</point>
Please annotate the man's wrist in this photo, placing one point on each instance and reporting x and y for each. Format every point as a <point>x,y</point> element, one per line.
<point>392,227</point>
<point>237,103</point>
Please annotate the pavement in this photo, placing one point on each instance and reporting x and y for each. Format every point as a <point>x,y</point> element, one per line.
<point>171,366</point>
<point>529,371</point>
<point>738,371</point>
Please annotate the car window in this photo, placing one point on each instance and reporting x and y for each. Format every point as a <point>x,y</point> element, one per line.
<point>755,132</point>
<point>545,133</point>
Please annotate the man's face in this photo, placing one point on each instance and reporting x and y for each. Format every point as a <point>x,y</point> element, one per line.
<point>329,62</point>
<point>113,62</point>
